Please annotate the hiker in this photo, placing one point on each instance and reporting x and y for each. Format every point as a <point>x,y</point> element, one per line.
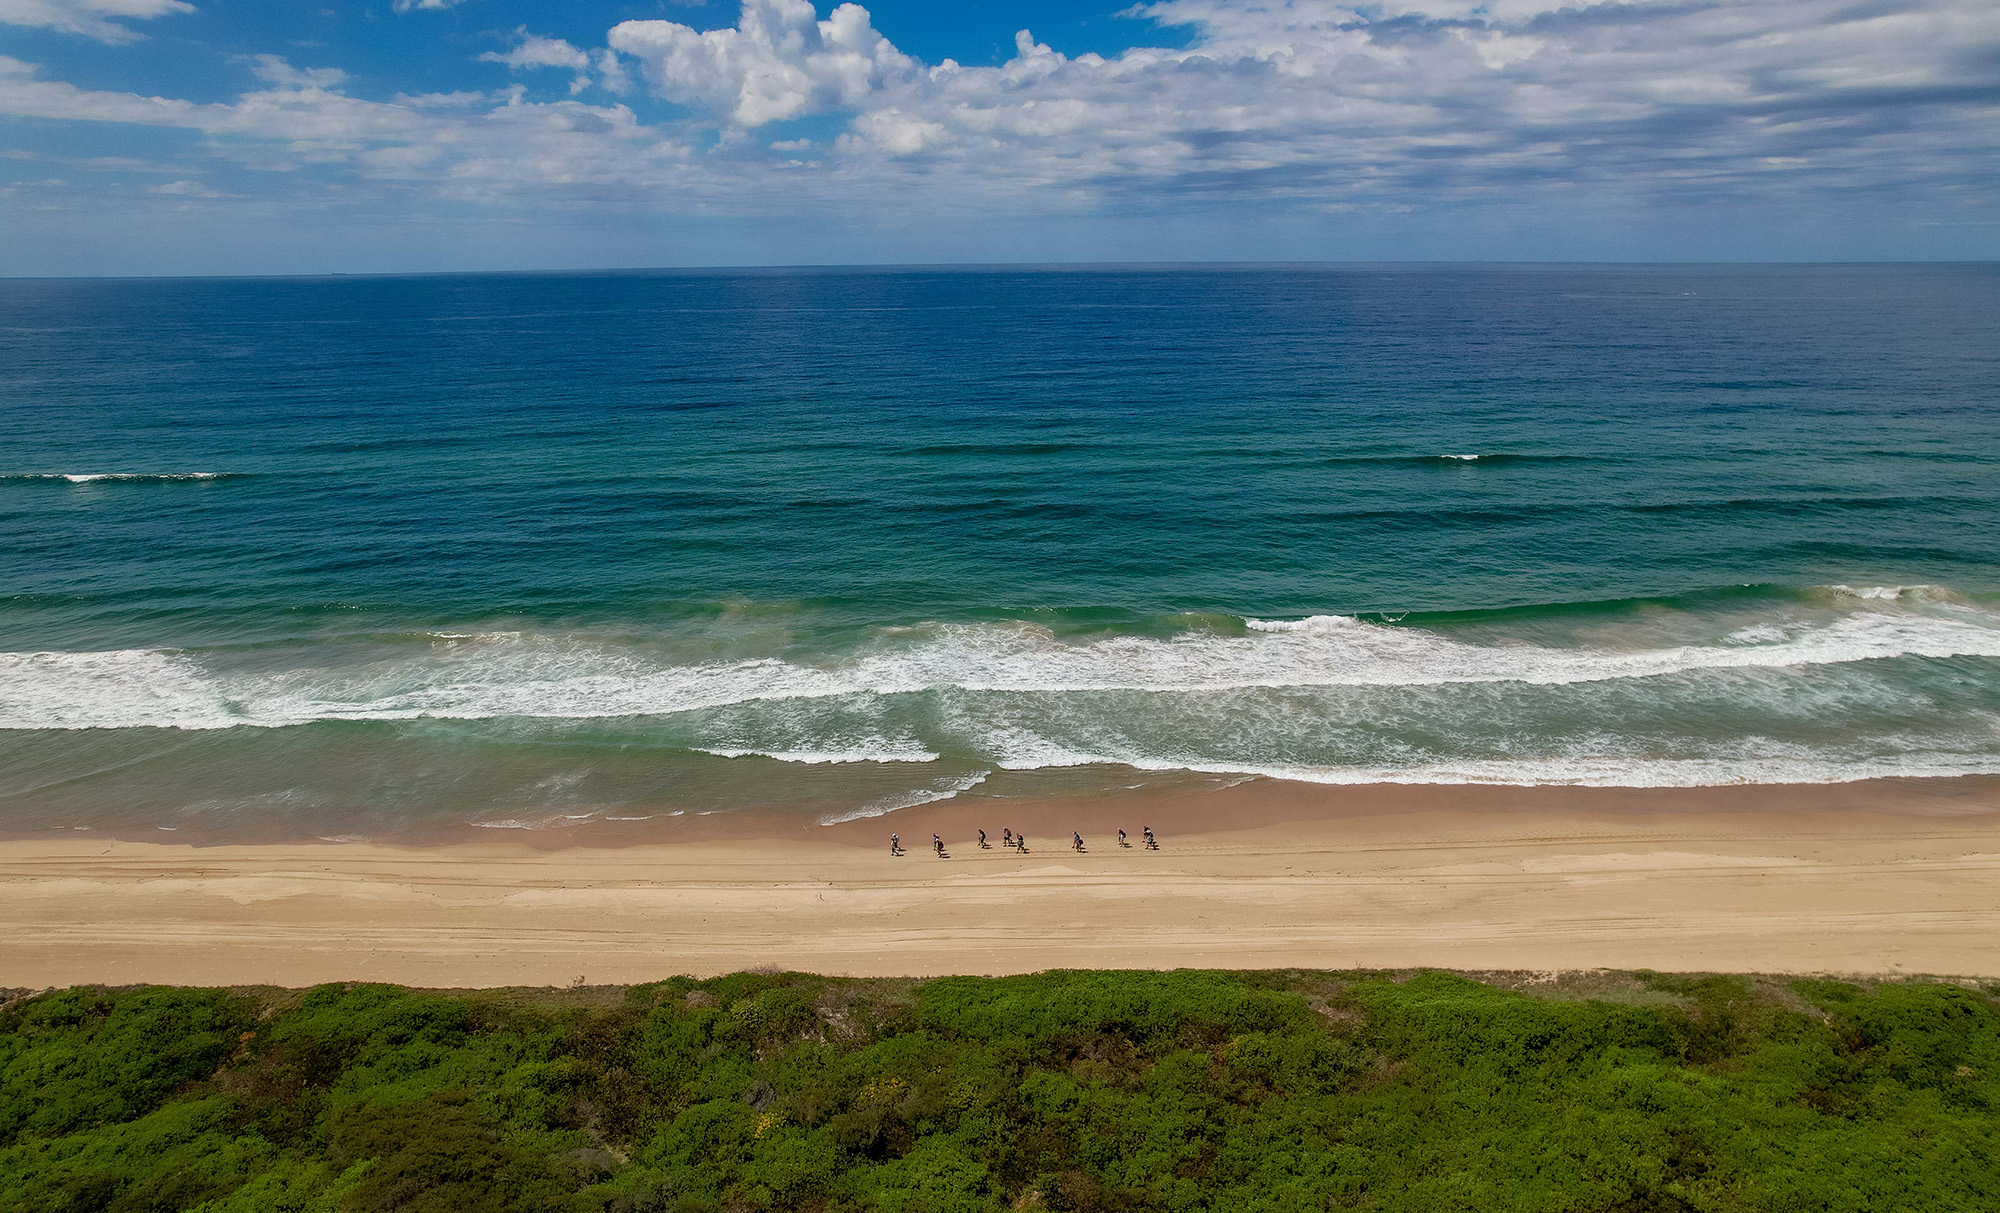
<point>895,845</point>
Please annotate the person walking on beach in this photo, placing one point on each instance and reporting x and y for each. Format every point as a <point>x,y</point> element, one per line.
<point>1075,841</point>
<point>1007,838</point>
<point>895,845</point>
<point>938,844</point>
<point>1121,837</point>
<point>1021,843</point>
<point>982,841</point>
<point>1152,843</point>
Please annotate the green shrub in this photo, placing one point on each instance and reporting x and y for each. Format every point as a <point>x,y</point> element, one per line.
<point>85,1057</point>
<point>1083,1090</point>
<point>439,1155</point>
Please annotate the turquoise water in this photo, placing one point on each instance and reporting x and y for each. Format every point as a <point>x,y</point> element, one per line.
<point>390,555</point>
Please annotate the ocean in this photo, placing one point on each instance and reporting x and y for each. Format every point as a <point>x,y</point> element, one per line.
<point>371,557</point>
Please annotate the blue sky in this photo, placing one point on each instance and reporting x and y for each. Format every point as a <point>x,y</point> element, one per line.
<point>281,136</point>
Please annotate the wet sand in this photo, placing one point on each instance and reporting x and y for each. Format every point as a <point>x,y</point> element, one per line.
<point>1883,877</point>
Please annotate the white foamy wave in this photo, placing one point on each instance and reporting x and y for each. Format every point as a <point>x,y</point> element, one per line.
<point>1916,594</point>
<point>1757,633</point>
<point>875,749</point>
<point>1312,623</point>
<point>127,477</point>
<point>1593,771</point>
<point>120,689</point>
<point>530,676</point>
<point>944,789</point>
<point>544,821</point>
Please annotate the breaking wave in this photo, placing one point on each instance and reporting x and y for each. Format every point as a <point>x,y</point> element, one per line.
<point>1824,684</point>
<point>515,674</point>
<point>1492,459</point>
<point>877,750</point>
<point>119,477</point>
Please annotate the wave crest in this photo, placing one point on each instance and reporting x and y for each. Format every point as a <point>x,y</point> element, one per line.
<point>503,674</point>
<point>119,477</point>
<point>876,749</point>
<point>1920,593</point>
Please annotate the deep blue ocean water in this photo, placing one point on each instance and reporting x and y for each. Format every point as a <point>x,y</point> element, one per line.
<point>363,555</point>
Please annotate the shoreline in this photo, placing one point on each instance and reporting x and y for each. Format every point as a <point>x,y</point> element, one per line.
<point>1178,802</point>
<point>1891,877</point>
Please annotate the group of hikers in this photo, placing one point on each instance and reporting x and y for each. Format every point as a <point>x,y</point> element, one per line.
<point>1014,841</point>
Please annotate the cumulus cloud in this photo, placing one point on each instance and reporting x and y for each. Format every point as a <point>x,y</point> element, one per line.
<point>99,19</point>
<point>468,146</point>
<point>779,61</point>
<point>278,70</point>
<point>534,51</point>
<point>1424,99</point>
<point>1317,103</point>
<point>1295,107</point>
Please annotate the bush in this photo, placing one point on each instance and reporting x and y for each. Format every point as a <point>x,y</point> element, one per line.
<point>1083,1090</point>
<point>86,1057</point>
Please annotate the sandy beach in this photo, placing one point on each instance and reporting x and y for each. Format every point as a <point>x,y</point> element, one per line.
<point>1890,877</point>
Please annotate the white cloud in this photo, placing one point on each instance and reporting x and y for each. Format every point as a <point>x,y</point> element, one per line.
<point>1294,107</point>
<point>479,149</point>
<point>275,69</point>
<point>1319,105</point>
<point>183,189</point>
<point>99,19</point>
<point>536,51</point>
<point>1429,101</point>
<point>778,62</point>
<point>611,72</point>
<point>404,6</point>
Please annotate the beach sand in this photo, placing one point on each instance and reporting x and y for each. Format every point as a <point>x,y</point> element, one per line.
<point>1877,878</point>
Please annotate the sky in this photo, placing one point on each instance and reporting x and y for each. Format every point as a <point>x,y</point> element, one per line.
<point>318,136</point>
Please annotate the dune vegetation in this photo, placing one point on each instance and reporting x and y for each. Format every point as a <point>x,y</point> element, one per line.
<point>1069,1090</point>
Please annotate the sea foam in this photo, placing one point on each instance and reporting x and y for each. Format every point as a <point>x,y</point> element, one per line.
<point>117,477</point>
<point>944,789</point>
<point>875,750</point>
<point>559,677</point>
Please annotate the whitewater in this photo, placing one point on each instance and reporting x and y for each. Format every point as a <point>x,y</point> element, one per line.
<point>1322,698</point>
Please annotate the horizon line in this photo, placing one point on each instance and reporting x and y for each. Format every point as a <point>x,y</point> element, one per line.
<point>999,266</point>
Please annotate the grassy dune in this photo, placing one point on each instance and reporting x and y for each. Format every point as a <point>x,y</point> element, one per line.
<point>1069,1090</point>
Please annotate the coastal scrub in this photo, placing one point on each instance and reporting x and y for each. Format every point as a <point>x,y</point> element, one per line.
<point>1106,1091</point>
